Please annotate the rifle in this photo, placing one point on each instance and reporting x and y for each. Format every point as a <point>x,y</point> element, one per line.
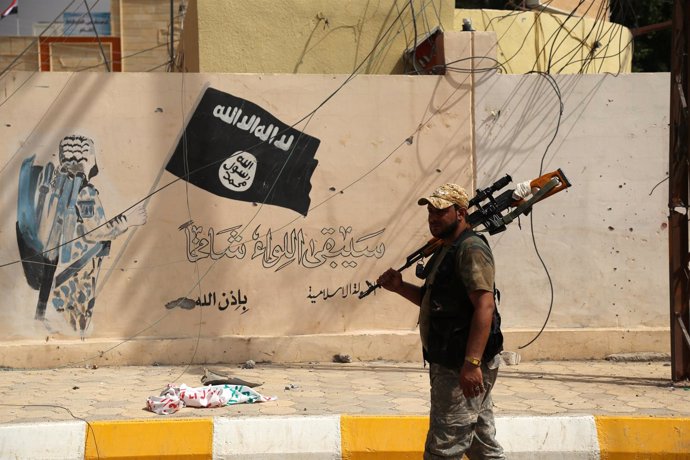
<point>490,214</point>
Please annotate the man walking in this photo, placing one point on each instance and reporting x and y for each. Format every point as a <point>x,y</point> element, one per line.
<point>460,330</point>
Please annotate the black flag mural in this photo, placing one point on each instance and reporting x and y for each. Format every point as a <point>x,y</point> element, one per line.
<point>236,149</point>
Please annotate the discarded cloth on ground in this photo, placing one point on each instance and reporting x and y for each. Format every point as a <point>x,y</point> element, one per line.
<point>173,398</point>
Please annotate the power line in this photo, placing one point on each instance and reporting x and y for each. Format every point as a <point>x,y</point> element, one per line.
<point>100,44</point>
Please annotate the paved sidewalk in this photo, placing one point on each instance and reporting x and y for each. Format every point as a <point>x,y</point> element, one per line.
<point>536,388</point>
<point>545,410</point>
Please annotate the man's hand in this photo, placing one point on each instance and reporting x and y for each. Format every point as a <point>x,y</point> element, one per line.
<point>471,380</point>
<point>390,280</point>
<point>136,216</point>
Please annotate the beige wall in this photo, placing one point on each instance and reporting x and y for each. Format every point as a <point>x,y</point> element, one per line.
<point>12,47</point>
<point>363,216</point>
<point>307,36</point>
<point>553,43</point>
<point>141,25</point>
<point>605,240</point>
<point>144,26</point>
<point>384,141</point>
<point>67,57</point>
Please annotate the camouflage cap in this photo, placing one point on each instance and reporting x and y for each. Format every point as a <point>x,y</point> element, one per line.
<point>445,196</point>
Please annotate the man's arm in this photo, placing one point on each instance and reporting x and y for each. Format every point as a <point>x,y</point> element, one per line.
<point>94,226</point>
<point>391,280</point>
<point>471,375</point>
<point>483,302</point>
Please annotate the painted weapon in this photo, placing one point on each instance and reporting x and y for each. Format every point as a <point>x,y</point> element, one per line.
<point>489,211</point>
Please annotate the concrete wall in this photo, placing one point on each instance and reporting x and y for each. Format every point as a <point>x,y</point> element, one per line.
<point>555,43</point>
<point>290,280</point>
<point>283,275</point>
<point>605,240</point>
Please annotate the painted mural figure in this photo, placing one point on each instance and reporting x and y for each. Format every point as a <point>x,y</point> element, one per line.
<point>63,233</point>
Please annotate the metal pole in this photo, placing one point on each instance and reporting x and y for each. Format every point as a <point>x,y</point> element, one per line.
<point>679,271</point>
<point>172,31</point>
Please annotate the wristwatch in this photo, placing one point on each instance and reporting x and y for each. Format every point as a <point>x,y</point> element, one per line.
<point>473,361</point>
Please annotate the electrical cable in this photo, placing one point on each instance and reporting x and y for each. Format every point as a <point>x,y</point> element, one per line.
<point>185,155</point>
<point>582,41</point>
<point>414,48</point>
<point>561,27</point>
<point>537,15</point>
<point>498,65</point>
<point>309,115</point>
<point>556,88</point>
<point>98,38</point>
<point>552,37</point>
<point>32,45</point>
<point>318,107</point>
<point>122,59</point>
<point>598,23</point>
<point>66,409</point>
<point>245,226</point>
<point>200,278</point>
<point>208,165</point>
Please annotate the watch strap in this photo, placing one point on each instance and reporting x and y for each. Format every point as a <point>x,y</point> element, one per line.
<point>474,361</point>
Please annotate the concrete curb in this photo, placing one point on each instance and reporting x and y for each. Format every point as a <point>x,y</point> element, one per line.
<point>339,436</point>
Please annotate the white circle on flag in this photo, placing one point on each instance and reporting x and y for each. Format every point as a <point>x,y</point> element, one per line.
<point>237,172</point>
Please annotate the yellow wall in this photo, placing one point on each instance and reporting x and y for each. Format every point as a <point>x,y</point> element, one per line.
<point>311,36</point>
<point>593,9</point>
<point>328,37</point>
<point>532,41</point>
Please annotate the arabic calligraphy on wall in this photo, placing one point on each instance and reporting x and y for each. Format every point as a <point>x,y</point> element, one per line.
<point>223,301</point>
<point>339,292</point>
<point>339,248</point>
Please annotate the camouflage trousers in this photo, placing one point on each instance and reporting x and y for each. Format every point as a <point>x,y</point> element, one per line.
<point>459,425</point>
